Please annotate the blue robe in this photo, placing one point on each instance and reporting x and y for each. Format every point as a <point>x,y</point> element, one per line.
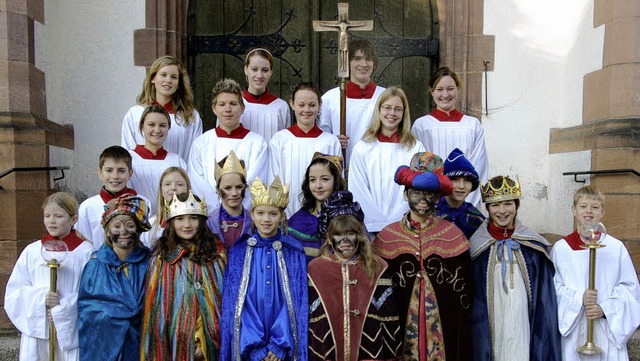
<point>543,310</point>
<point>110,305</point>
<point>263,318</point>
<point>467,217</point>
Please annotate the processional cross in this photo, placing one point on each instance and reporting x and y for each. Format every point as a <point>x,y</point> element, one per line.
<point>343,25</point>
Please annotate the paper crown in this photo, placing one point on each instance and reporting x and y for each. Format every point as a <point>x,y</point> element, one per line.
<point>504,193</point>
<point>231,165</point>
<point>337,160</point>
<point>277,195</point>
<point>190,206</point>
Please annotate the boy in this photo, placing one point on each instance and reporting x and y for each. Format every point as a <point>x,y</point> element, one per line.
<point>453,207</point>
<point>114,169</point>
<point>614,305</point>
<point>362,95</point>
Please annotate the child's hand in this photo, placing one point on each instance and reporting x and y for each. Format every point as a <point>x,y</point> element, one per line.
<point>50,300</point>
<point>197,354</point>
<point>344,141</point>
<point>589,298</point>
<point>271,357</point>
<point>594,312</point>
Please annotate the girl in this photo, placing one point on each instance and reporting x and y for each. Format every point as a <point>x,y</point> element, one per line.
<point>151,159</point>
<point>389,141</point>
<point>447,128</point>
<point>174,180</point>
<point>27,295</point>
<point>350,274</point>
<point>184,287</point>
<point>265,306</point>
<point>112,285</point>
<point>167,85</point>
<point>322,178</point>
<point>230,220</point>
<point>264,113</point>
<point>291,149</point>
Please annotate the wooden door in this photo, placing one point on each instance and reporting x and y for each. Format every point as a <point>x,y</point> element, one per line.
<point>221,32</point>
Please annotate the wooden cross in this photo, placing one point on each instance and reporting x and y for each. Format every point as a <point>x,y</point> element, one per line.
<point>343,25</point>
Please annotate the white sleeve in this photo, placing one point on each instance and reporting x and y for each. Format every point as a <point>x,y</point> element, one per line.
<point>65,317</point>
<point>570,310</point>
<point>274,158</point>
<point>83,226</point>
<point>129,129</point>
<point>324,121</point>
<point>416,130</point>
<point>196,131</point>
<point>24,302</point>
<point>622,306</point>
<point>478,156</point>
<point>361,188</point>
<point>197,174</point>
<point>259,166</point>
<point>284,116</point>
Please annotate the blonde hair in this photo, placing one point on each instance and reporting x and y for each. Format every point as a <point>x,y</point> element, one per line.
<point>227,86</point>
<point>407,139</point>
<point>182,99</point>
<point>589,192</point>
<point>346,223</point>
<point>160,199</point>
<point>64,200</point>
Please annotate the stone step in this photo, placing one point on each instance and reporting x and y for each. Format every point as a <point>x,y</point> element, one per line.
<point>10,345</point>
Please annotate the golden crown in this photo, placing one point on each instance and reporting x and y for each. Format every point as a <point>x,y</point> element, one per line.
<point>277,195</point>
<point>504,193</point>
<point>191,206</point>
<point>231,165</point>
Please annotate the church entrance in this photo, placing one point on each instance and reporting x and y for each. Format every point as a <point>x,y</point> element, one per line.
<point>220,33</point>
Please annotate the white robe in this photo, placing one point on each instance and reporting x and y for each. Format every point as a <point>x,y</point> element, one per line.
<point>467,135</point>
<point>150,237</point>
<point>89,218</point>
<point>359,114</point>
<point>24,302</point>
<point>266,119</point>
<point>209,149</point>
<point>289,157</point>
<point>147,172</point>
<point>371,172</point>
<point>618,296</point>
<point>178,140</point>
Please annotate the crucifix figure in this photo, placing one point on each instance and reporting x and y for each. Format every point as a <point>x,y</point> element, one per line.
<point>343,25</point>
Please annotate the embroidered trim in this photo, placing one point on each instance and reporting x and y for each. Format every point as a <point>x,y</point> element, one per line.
<point>242,294</point>
<point>284,276</point>
<point>380,301</point>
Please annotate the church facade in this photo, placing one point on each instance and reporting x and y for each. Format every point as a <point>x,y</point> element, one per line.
<point>556,85</point>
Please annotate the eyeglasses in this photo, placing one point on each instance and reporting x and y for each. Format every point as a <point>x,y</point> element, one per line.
<point>389,108</point>
<point>351,236</point>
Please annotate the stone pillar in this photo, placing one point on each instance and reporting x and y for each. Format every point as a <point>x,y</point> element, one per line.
<point>165,32</point>
<point>611,120</point>
<point>464,48</point>
<point>25,135</point>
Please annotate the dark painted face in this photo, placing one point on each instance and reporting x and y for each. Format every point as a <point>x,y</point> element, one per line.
<point>122,231</point>
<point>422,203</point>
<point>345,245</point>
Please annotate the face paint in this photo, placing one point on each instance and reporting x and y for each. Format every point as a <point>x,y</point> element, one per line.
<point>422,203</point>
<point>344,245</point>
<point>122,232</point>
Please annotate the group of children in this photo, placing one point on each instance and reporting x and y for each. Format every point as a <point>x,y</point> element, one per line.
<point>169,263</point>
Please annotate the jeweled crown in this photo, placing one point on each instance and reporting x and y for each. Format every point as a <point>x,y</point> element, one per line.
<point>504,193</point>
<point>231,165</point>
<point>190,206</point>
<point>277,195</point>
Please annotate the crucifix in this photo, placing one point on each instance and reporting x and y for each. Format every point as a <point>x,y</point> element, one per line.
<point>343,25</point>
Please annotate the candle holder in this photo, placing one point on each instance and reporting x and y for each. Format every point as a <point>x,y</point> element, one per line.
<point>54,253</point>
<point>592,234</point>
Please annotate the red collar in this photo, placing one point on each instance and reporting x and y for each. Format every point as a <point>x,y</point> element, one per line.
<point>264,98</point>
<point>312,133</point>
<point>574,241</point>
<point>72,240</point>
<point>355,92</point>
<point>394,138</point>
<point>147,154</point>
<point>498,233</point>
<point>454,116</point>
<point>107,196</point>
<point>239,133</point>
<point>168,107</point>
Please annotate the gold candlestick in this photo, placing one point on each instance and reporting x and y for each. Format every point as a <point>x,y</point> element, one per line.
<point>54,253</point>
<point>595,234</point>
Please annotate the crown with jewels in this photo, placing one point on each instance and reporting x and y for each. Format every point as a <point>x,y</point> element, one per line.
<point>277,195</point>
<point>190,206</point>
<point>504,193</point>
<point>231,165</point>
